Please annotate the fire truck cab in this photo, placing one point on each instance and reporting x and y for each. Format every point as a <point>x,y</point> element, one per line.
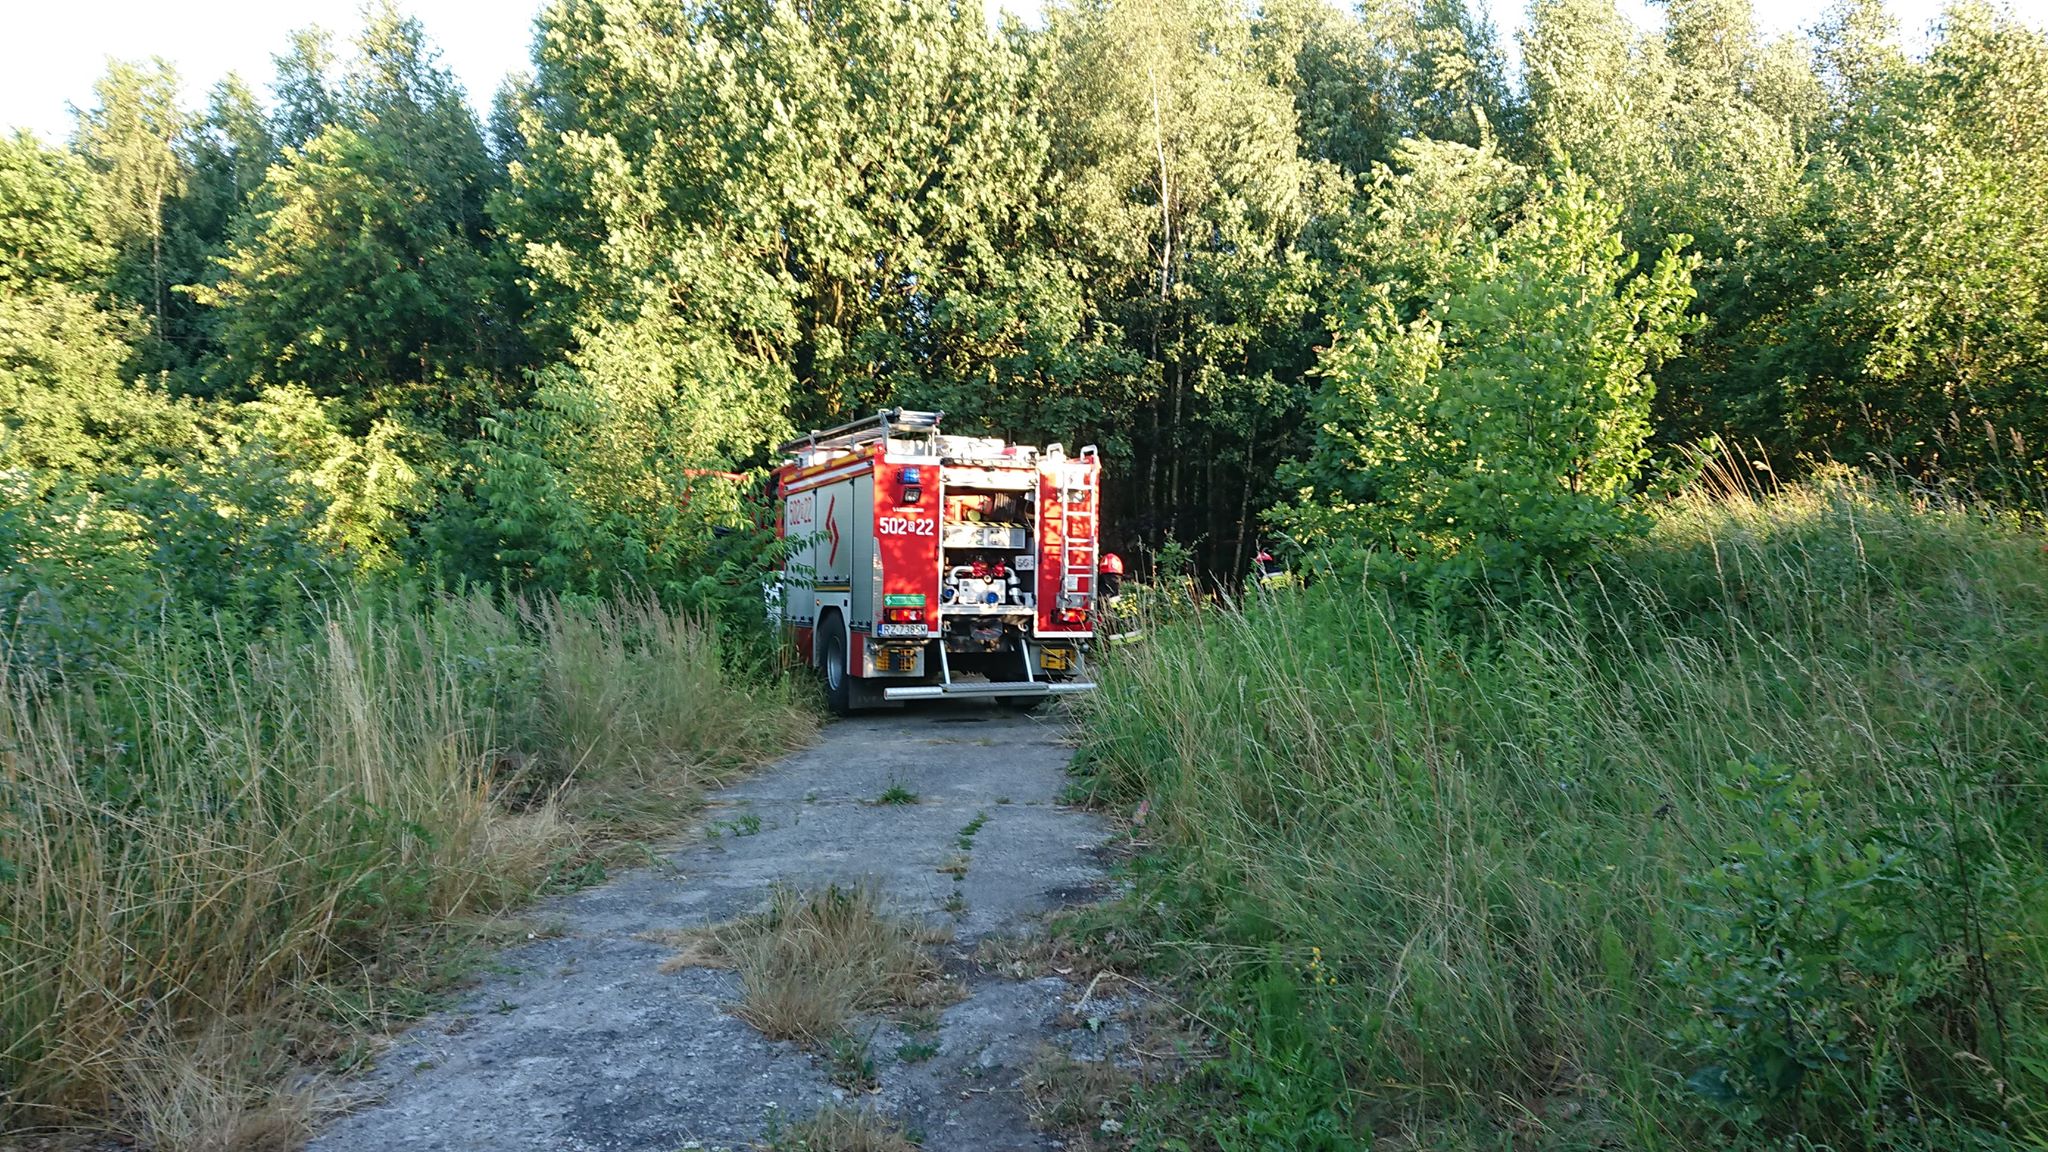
<point>922,565</point>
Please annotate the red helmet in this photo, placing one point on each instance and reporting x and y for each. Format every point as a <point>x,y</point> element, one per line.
<point>1112,564</point>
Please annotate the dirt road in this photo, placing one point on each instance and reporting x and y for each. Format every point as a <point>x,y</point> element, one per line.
<point>583,1044</point>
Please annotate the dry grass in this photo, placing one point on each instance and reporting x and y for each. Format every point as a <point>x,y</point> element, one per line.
<point>210,856</point>
<point>816,958</point>
<point>203,1094</point>
<point>1074,1096</point>
<point>844,1130</point>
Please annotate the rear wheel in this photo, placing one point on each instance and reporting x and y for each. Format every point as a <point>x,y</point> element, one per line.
<point>832,659</point>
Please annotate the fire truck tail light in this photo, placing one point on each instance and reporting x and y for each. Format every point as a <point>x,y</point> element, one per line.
<point>905,615</point>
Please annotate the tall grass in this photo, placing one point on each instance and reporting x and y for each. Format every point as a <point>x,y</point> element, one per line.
<point>1549,878</point>
<point>213,855</point>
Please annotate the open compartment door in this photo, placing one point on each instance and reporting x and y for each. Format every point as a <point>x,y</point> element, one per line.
<point>1069,544</point>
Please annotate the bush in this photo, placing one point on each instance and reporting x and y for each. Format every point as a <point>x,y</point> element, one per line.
<point>1505,428</point>
<point>1823,991</point>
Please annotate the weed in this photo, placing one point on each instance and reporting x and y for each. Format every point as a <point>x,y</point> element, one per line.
<point>916,1051</point>
<point>852,1065</point>
<point>956,903</point>
<point>955,867</point>
<point>968,830</point>
<point>895,794</point>
<point>241,851</point>
<point>1069,1095</point>
<point>745,824</point>
<point>815,959</point>
<point>841,1129</point>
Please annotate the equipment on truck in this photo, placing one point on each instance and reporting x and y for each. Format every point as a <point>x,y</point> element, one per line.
<point>923,565</point>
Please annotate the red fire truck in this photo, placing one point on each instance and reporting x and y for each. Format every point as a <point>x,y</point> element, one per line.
<point>924,565</point>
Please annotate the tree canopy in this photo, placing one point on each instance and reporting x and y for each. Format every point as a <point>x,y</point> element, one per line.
<point>1311,277</point>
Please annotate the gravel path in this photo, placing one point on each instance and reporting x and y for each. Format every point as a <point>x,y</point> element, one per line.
<point>582,1044</point>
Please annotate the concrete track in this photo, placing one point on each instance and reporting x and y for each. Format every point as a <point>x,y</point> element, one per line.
<point>582,1044</point>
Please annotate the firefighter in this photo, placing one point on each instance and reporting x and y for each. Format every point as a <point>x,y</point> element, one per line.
<point>1110,576</point>
<point>1269,570</point>
<point>1109,587</point>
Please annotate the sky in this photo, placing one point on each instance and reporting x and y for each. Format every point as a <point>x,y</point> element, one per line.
<point>55,49</point>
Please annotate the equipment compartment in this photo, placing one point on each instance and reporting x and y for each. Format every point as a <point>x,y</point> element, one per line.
<point>1004,537</point>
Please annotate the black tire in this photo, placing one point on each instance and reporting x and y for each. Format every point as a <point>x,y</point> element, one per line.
<point>832,663</point>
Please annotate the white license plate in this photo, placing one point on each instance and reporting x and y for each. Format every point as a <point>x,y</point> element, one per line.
<point>900,630</point>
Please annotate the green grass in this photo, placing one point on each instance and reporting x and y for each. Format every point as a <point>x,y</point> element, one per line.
<point>895,794</point>
<point>1737,838</point>
<point>969,830</point>
<point>220,861</point>
<point>916,1051</point>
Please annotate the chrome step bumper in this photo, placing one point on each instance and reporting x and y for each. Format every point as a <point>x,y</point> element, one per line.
<point>1002,688</point>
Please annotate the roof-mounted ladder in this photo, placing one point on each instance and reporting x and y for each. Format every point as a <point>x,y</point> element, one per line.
<point>882,425</point>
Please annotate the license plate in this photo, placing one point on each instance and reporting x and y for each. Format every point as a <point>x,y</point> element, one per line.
<point>900,630</point>
<point>1057,659</point>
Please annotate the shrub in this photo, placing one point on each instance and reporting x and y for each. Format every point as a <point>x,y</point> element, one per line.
<point>1505,428</point>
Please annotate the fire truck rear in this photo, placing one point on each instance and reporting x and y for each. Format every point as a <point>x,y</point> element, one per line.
<point>923,565</point>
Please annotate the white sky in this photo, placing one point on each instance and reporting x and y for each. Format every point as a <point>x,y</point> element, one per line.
<point>55,49</point>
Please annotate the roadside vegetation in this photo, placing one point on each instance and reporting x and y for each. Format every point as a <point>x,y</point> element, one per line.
<point>381,538</point>
<point>816,959</point>
<point>1732,836</point>
<point>226,863</point>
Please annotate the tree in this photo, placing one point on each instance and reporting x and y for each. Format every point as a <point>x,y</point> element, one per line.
<point>227,152</point>
<point>1187,193</point>
<point>365,272</point>
<point>64,406</point>
<point>50,218</point>
<point>305,100</point>
<point>131,139</point>
<point>1910,324</point>
<point>797,212</point>
<point>1600,93</point>
<point>1889,310</point>
<point>1505,427</point>
<point>1394,69</point>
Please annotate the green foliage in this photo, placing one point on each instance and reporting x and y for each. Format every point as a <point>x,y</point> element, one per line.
<point>1517,849</point>
<point>579,494</point>
<point>50,217</point>
<point>364,273</point>
<point>130,139</point>
<point>1819,971</point>
<point>770,213</point>
<point>63,402</point>
<point>1336,265</point>
<point>1505,427</point>
<point>77,583</point>
<point>1202,224</point>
